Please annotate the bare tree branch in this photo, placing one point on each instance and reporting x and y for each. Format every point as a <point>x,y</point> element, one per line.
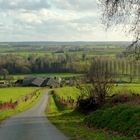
<point>126,12</point>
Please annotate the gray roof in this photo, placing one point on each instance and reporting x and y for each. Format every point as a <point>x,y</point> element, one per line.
<point>33,81</point>
<point>45,82</point>
<point>38,81</point>
<point>41,82</point>
<point>52,82</point>
<point>27,81</point>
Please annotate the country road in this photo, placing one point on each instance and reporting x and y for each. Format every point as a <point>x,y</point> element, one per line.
<point>31,125</point>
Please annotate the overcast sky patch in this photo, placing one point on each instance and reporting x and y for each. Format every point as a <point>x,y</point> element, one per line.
<point>54,20</point>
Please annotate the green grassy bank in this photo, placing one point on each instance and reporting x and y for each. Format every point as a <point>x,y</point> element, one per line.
<point>122,118</point>
<point>70,122</point>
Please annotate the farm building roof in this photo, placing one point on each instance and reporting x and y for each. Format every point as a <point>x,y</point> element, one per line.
<point>45,82</point>
<point>38,81</point>
<point>52,82</point>
<point>27,81</point>
<point>41,82</point>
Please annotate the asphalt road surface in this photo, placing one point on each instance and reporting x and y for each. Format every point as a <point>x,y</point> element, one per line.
<point>31,125</point>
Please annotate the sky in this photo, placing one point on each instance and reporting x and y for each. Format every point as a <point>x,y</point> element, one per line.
<point>55,20</point>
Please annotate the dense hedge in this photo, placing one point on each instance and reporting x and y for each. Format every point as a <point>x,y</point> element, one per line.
<point>122,118</point>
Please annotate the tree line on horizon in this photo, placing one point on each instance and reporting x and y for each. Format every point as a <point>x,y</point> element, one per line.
<point>15,64</point>
<point>119,68</point>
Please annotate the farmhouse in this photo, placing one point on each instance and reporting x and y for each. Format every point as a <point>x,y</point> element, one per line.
<point>39,82</point>
<point>35,82</point>
<point>53,82</point>
<point>4,84</point>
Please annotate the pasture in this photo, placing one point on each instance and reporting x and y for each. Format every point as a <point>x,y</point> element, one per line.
<point>66,92</point>
<point>55,49</point>
<point>14,93</point>
<point>135,88</point>
<point>62,75</point>
<point>73,92</point>
<point>17,93</point>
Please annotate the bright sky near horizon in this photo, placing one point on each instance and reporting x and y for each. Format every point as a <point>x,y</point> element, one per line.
<point>55,20</point>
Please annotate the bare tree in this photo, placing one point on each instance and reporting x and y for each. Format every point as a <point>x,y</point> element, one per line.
<point>126,12</point>
<point>95,94</point>
<point>102,80</point>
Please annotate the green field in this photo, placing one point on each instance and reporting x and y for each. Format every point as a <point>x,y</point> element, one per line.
<point>60,49</point>
<point>126,87</point>
<point>26,54</point>
<point>66,92</point>
<point>14,93</point>
<point>62,75</point>
<point>73,92</point>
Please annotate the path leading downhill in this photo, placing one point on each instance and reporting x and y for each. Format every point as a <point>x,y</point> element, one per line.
<point>31,125</point>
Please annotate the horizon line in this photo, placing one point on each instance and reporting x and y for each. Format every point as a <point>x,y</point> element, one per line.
<point>62,41</point>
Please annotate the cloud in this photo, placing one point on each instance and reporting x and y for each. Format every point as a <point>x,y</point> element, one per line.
<point>78,5</point>
<point>1,24</point>
<point>61,20</point>
<point>45,16</point>
<point>29,18</point>
<point>23,4</point>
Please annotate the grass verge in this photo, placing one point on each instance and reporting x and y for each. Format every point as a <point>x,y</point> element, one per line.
<point>71,124</point>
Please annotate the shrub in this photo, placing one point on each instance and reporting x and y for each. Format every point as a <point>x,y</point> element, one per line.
<point>123,118</point>
<point>125,98</point>
<point>87,105</point>
<point>87,101</point>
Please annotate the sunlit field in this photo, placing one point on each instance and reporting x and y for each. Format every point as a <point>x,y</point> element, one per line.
<point>7,94</point>
<point>14,93</point>
<point>62,75</point>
